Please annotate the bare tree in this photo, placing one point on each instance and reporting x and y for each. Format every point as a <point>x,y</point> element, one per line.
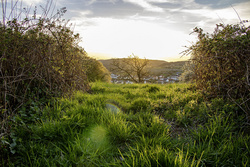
<point>132,68</point>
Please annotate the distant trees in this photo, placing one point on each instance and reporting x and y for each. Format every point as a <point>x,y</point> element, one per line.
<point>95,70</point>
<point>222,62</point>
<point>133,68</point>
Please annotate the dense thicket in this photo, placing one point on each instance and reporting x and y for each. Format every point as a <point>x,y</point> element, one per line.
<point>221,63</point>
<point>39,58</point>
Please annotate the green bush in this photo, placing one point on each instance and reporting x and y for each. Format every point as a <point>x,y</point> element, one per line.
<point>39,59</point>
<point>221,63</point>
<point>42,58</point>
<point>95,71</point>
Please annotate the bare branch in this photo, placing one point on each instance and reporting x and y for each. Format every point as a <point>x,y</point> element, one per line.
<point>132,67</point>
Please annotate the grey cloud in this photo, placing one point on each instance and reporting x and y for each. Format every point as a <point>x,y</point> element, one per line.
<point>219,4</point>
<point>118,9</point>
<point>167,5</point>
<point>175,15</point>
<point>110,9</point>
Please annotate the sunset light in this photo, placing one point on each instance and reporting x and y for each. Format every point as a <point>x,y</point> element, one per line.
<point>125,83</point>
<point>154,29</point>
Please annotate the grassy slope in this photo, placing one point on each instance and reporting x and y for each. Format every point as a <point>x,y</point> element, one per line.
<point>133,125</point>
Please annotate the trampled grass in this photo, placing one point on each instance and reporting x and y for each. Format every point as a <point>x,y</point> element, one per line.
<point>133,125</point>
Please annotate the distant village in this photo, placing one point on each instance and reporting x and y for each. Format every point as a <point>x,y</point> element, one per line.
<point>151,79</point>
<point>161,72</point>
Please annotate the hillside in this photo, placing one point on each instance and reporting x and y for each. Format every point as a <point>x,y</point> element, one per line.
<point>157,67</point>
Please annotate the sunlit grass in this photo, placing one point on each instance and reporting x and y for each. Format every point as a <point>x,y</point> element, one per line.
<point>133,125</point>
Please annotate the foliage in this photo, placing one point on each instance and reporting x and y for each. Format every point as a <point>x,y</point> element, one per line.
<point>140,104</point>
<point>95,70</point>
<point>188,72</point>
<point>132,68</point>
<point>153,89</point>
<point>180,129</point>
<point>39,58</point>
<point>221,63</point>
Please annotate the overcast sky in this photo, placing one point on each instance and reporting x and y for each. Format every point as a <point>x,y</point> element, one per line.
<point>155,29</point>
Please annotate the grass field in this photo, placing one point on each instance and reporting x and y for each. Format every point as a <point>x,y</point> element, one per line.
<point>132,125</point>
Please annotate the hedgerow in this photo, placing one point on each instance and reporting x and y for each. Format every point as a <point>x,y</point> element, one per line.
<point>221,63</point>
<point>39,58</point>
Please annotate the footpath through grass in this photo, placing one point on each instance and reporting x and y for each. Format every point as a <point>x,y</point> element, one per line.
<point>132,125</point>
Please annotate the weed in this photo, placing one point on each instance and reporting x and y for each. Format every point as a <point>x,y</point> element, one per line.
<point>153,89</point>
<point>140,104</point>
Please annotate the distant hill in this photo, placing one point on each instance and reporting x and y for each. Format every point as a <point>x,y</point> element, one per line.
<point>157,67</point>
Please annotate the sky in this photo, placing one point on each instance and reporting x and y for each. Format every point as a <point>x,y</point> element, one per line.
<point>152,29</point>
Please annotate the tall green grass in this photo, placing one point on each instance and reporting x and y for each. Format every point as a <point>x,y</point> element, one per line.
<point>133,125</point>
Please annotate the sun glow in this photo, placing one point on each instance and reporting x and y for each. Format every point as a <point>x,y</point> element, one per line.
<point>120,38</point>
<point>154,29</point>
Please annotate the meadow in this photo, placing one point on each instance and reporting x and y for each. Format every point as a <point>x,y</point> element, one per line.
<point>131,125</point>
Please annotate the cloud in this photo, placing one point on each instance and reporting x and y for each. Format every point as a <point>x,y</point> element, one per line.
<point>181,15</point>
<point>220,4</point>
<point>90,2</point>
<point>150,28</point>
<point>85,13</point>
<point>121,37</point>
<point>146,5</point>
<point>29,2</point>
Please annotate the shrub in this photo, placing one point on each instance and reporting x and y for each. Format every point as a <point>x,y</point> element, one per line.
<point>39,58</point>
<point>96,71</point>
<point>221,63</point>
